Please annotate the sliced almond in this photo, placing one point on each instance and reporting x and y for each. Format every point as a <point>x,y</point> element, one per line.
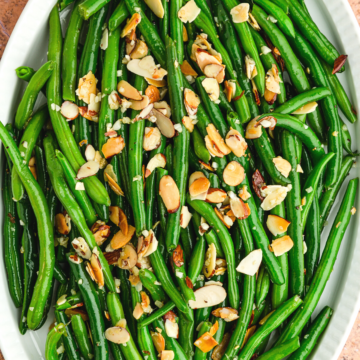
<point>189,12</point>
<point>128,257</point>
<point>244,193</point>
<point>152,138</point>
<point>267,122</point>
<point>145,113</point>
<point>252,131</point>
<point>210,262</point>
<point>167,355</point>
<point>239,208</point>
<point>114,186</point>
<point>178,256</point>
<point>61,224</point>
<point>205,342</point>
<point>236,142</point>
<point>158,341</point>
<point>230,88</point>
<point>250,66</point>
<point>152,93</point>
<point>212,148</point>
<point>118,217</point>
<point>87,86</point>
<point>203,58</point>
<point>282,165</point>
<point>119,240</point>
<point>224,218</point>
<point>186,120</point>
<point>233,174</point>
<point>191,101</point>
<point>274,198</point>
<point>140,104</point>
<point>117,335</point>
<point>97,270</point>
<point>143,67</point>
<point>215,196</point>
<point>270,97</point>
<point>272,82</point>
<point>169,193</point>
<point>212,88</point>
<point>69,110</point>
<point>172,329</point>
<point>90,153</point>
<point>306,109</point>
<point>163,107</point>
<point>138,311</point>
<point>101,232</point>
<point>282,245</point>
<point>81,247</point>
<point>156,7</point>
<point>153,243</point>
<point>127,90</point>
<point>240,13</point>
<point>195,175</point>
<point>113,146</point>
<point>216,72</point>
<point>159,160</point>
<point>140,50</point>
<point>208,296</point>
<point>251,263</point>
<point>156,83</point>
<point>88,169</point>
<point>277,225</point>
<point>164,124</point>
<point>199,186</point>
<point>145,302</point>
<point>142,247</point>
<point>185,217</point>
<point>217,139</point>
<point>226,313</point>
<point>186,69</point>
<point>131,24</point>
<point>74,258</point>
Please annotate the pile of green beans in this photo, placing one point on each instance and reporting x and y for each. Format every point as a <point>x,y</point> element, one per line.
<point>144,272</point>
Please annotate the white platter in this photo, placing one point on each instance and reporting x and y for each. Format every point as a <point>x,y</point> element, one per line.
<point>28,46</point>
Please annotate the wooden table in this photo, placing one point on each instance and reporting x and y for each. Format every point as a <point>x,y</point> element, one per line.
<point>10,11</point>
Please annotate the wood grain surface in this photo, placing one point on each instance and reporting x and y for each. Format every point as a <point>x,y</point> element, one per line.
<point>10,11</point>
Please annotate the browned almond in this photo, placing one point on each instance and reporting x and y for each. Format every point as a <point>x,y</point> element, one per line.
<point>203,58</point>
<point>159,74</point>
<point>233,174</point>
<point>120,239</point>
<point>210,261</point>
<point>164,124</point>
<point>152,138</point>
<point>189,283</point>
<point>69,110</point>
<point>195,175</point>
<point>118,217</point>
<point>252,131</point>
<point>142,247</point>
<point>127,90</point>
<point>229,90</point>
<point>191,101</point>
<point>128,257</point>
<point>87,86</point>
<point>112,257</point>
<point>206,166</point>
<point>61,225</point>
<point>158,341</point>
<point>169,193</point>
<point>185,34</point>
<point>282,245</point>
<point>339,63</point>
<point>114,186</point>
<point>267,122</point>
<point>236,142</point>
<point>211,146</point>
<point>97,269</point>
<point>199,186</point>
<point>140,104</point>
<point>152,93</point>
<point>145,302</point>
<point>270,97</point>
<point>113,146</point>
<point>186,69</point>
<point>276,224</point>
<point>140,50</point>
<point>171,316</point>
<point>131,24</point>
<point>158,160</point>
<point>87,114</point>
<point>226,313</point>
<point>157,83</point>
<point>215,196</point>
<point>138,311</point>
<point>217,139</point>
<point>71,312</point>
<point>178,256</point>
<point>101,231</point>
<point>239,208</point>
<point>221,217</point>
<point>186,120</point>
<point>205,342</point>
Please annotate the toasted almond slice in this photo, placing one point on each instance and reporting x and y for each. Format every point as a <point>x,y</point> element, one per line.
<point>140,50</point>
<point>244,194</point>
<point>217,139</point>
<point>153,94</point>
<point>128,257</point>
<point>211,146</point>
<point>208,296</point>
<point>275,198</point>
<point>142,247</point>
<point>199,186</point>
<point>212,88</point>
<point>215,196</point>
<point>276,224</point>
<point>221,76</point>
<point>282,245</point>
<point>159,160</point>
<point>282,165</point>
<point>172,329</point>
<point>101,232</point>
<point>152,138</point>
<point>306,109</point>
<point>194,176</point>
<point>90,153</point>
<point>233,174</point>
<point>203,58</point>
<point>189,12</point>
<point>153,243</point>
<point>131,24</point>
<point>140,104</point>
<point>81,247</point>
<point>186,69</point>
<point>127,90</point>
<point>240,13</point>
<point>222,217</point>
<point>118,217</point>
<point>251,263</point>
<point>156,83</point>
<point>169,193</point>
<point>120,239</point>
<point>226,313</point>
<point>215,71</point>
<point>97,270</point>
<point>250,66</point>
<point>138,311</point>
<point>269,96</point>
<point>73,311</point>
<point>252,131</point>
<point>167,355</point>
<point>229,90</point>
<point>191,101</point>
<point>117,335</point>
<point>267,122</point>
<point>206,166</point>
<point>145,113</point>
<point>272,82</point>
<point>69,110</point>
<point>186,120</point>
<point>210,261</point>
<point>143,67</point>
<point>178,256</point>
<point>113,146</point>
<point>236,142</point>
<point>88,169</point>
<point>111,179</point>
<point>87,86</point>
<point>185,217</point>
<point>163,107</point>
<point>239,208</point>
<point>256,93</point>
<point>61,224</point>
<point>164,124</point>
<point>205,342</point>
<point>156,7</point>
<point>75,259</point>
<point>158,341</point>
<point>145,302</point>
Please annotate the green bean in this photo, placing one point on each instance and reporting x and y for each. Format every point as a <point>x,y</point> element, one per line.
<point>262,286</point>
<point>28,100</point>
<point>148,279</point>
<point>176,29</point>
<point>282,4</point>
<point>52,339</point>
<point>118,16</point>
<point>64,3</point>
<point>69,56</point>
<point>310,339</point>
<point>186,332</point>
<point>82,337</point>
<point>70,301</point>
<point>169,159</point>
<point>25,73</point>
<point>164,22</point>
<point>159,313</point>
<point>199,146</point>
<point>197,259</point>
<point>281,351</point>
<point>346,139</point>
<point>161,207</point>
<point>90,7</point>
<point>205,327</point>
<point>325,267</point>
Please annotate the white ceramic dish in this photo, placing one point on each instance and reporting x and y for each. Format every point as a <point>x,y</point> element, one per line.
<point>28,46</point>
